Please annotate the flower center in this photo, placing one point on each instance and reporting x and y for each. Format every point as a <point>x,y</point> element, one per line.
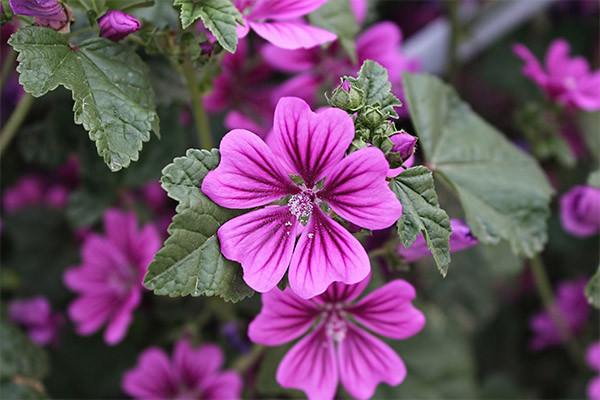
<point>570,83</point>
<point>335,323</point>
<point>301,205</point>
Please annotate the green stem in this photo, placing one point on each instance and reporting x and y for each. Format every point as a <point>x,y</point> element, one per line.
<point>244,362</point>
<point>15,121</point>
<point>544,289</point>
<point>200,118</point>
<point>8,68</point>
<point>141,4</point>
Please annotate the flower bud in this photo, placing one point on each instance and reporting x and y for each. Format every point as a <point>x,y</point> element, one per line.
<point>404,144</point>
<point>372,117</point>
<point>50,13</point>
<point>115,25</point>
<point>346,97</point>
<point>580,211</point>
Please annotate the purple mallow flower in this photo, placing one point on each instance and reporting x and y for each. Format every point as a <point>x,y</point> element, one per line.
<point>312,147</point>
<point>580,211</point>
<point>109,278</point>
<point>338,348</point>
<point>50,13</point>
<point>460,239</point>
<point>36,316</point>
<point>279,22</point>
<point>568,81</point>
<point>115,25</point>
<point>571,305</point>
<point>32,190</point>
<point>317,67</point>
<point>592,356</point>
<point>193,373</point>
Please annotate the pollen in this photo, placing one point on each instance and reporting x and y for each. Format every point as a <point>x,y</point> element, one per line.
<point>301,205</point>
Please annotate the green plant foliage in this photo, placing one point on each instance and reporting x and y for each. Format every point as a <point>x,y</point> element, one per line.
<point>23,365</point>
<point>421,212</point>
<point>594,179</point>
<point>592,289</point>
<point>191,262</point>
<point>373,80</point>
<point>219,16</point>
<point>109,82</point>
<point>337,17</point>
<point>504,193</point>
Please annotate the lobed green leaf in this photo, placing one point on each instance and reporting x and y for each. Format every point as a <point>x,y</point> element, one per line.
<point>191,263</point>
<point>503,191</point>
<point>592,289</point>
<point>373,80</point>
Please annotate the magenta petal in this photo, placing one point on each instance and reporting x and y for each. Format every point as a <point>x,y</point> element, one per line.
<point>152,378</point>
<point>195,367</point>
<point>117,327</point>
<point>262,241</point>
<point>291,34</point>
<point>326,253</point>
<point>359,8</point>
<point>311,366</point>
<point>227,385</point>
<point>357,190</point>
<point>89,312</point>
<point>301,60</point>
<point>248,174</point>
<point>339,292</point>
<point>532,68</point>
<point>284,9</point>
<point>311,144</point>
<point>303,86</point>
<point>284,317</point>
<point>388,311</point>
<point>365,361</point>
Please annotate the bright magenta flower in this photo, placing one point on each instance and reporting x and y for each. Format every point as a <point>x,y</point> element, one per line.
<point>115,25</point>
<point>568,81</point>
<point>311,146</point>
<point>338,349</point>
<point>193,373</point>
<point>580,211</point>
<point>592,356</point>
<point>37,317</point>
<point>109,278</point>
<point>279,22</point>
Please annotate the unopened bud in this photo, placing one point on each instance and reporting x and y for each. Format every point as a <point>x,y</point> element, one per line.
<point>404,144</point>
<point>347,97</point>
<point>115,25</point>
<point>372,117</point>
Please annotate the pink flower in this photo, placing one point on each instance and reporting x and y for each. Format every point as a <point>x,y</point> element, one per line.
<point>279,22</point>
<point>311,146</point>
<point>32,190</point>
<point>109,279</point>
<point>48,13</point>
<point>460,239</point>
<point>115,25</point>
<point>572,305</point>
<point>568,81</point>
<point>580,211</point>
<point>404,144</point>
<point>380,43</point>
<point>338,348</point>
<point>36,316</point>
<point>592,356</point>
<point>191,374</point>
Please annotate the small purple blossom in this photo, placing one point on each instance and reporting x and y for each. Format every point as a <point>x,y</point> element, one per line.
<point>50,13</point>
<point>461,238</point>
<point>192,373</point>
<point>109,278</point>
<point>571,305</point>
<point>580,211</point>
<point>115,25</point>
<point>404,144</point>
<point>312,147</point>
<point>36,316</point>
<point>34,189</point>
<point>280,22</point>
<point>592,357</point>
<point>338,348</point>
<point>568,81</point>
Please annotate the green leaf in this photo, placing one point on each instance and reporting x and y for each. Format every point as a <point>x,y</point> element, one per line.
<point>421,212</point>
<point>504,193</point>
<point>23,364</point>
<point>337,17</point>
<point>592,289</point>
<point>594,179</point>
<point>109,83</point>
<point>589,125</point>
<point>219,16</point>
<point>373,80</point>
<point>191,262</point>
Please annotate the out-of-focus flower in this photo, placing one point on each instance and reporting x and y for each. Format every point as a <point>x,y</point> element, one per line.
<point>568,81</point>
<point>360,8</point>
<point>192,373</point>
<point>571,305</point>
<point>115,25</point>
<point>580,210</point>
<point>34,190</point>
<point>50,13</point>
<point>36,316</point>
<point>109,278</point>
<point>592,357</point>
<point>280,22</point>
<point>311,146</point>
<point>380,43</point>
<point>338,348</point>
<point>231,331</point>
<point>460,239</point>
